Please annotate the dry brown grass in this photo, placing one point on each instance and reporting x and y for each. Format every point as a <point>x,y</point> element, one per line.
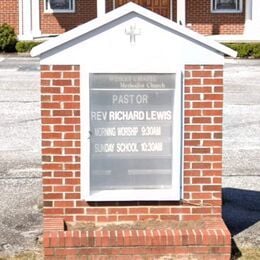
<point>25,256</point>
<point>250,254</point>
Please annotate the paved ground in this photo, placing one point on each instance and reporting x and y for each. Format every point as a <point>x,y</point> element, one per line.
<point>20,183</point>
<point>241,180</point>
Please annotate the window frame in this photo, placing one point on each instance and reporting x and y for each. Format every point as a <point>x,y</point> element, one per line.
<point>172,194</point>
<point>48,9</point>
<point>215,10</point>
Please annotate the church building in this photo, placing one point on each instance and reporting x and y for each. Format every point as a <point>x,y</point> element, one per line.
<point>224,20</point>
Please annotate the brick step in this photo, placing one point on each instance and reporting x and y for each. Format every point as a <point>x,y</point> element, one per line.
<point>213,241</point>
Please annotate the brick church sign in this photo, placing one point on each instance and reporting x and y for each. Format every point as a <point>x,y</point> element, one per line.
<point>132,134</point>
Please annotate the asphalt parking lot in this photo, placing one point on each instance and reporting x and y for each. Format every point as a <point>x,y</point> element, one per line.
<point>241,181</point>
<point>20,174</point>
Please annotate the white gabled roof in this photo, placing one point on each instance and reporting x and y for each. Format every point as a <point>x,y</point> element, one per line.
<point>120,12</point>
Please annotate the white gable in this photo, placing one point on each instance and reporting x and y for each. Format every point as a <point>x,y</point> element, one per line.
<point>105,41</point>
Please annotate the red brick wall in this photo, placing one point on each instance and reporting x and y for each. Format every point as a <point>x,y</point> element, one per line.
<point>9,13</point>
<point>57,23</point>
<point>198,14</point>
<point>60,96</point>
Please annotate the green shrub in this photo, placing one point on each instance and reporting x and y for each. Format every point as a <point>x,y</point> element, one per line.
<point>8,38</point>
<point>246,50</point>
<point>243,49</point>
<point>256,50</point>
<point>25,46</point>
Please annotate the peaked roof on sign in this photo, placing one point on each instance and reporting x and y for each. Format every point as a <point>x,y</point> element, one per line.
<point>120,12</point>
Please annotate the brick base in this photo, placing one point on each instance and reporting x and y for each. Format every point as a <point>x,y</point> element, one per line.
<point>213,241</point>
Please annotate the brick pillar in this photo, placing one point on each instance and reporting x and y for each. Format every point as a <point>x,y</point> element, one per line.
<point>60,109</point>
<point>203,139</point>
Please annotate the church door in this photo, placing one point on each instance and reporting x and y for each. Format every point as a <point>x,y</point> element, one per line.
<point>161,7</point>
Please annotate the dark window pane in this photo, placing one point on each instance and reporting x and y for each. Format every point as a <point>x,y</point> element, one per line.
<point>226,4</point>
<point>60,4</point>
